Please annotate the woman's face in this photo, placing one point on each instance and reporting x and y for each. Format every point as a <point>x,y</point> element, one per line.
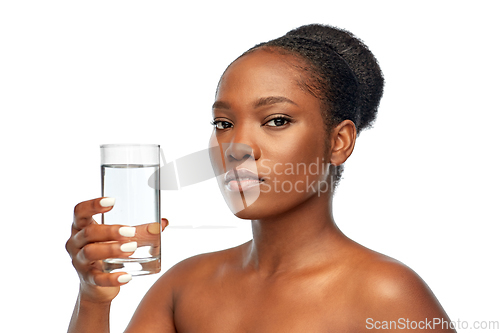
<point>271,136</point>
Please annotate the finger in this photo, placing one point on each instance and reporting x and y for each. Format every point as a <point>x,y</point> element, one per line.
<point>154,228</point>
<point>85,210</point>
<point>102,233</point>
<point>155,249</point>
<point>101,279</point>
<point>99,251</point>
<point>164,223</point>
<point>149,234</point>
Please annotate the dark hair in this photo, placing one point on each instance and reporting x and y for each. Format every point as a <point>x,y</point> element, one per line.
<point>340,70</point>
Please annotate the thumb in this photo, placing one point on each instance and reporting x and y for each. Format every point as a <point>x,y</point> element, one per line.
<point>154,228</point>
<point>148,234</point>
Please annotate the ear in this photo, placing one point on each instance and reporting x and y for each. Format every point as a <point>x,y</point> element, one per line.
<point>342,140</point>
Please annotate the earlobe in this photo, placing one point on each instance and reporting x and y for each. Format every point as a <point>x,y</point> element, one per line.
<point>342,140</point>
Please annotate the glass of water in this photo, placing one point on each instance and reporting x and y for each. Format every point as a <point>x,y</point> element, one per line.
<point>130,174</point>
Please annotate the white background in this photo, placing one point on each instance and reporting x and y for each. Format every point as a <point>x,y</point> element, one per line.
<point>421,186</point>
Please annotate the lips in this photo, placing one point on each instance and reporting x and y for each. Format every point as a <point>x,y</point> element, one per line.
<point>241,179</point>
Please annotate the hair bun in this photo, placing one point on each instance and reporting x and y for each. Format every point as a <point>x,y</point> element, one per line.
<point>361,62</point>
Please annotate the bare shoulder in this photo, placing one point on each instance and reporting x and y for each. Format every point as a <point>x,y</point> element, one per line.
<point>387,279</point>
<point>160,301</point>
<point>392,291</point>
<point>192,272</point>
<point>200,267</point>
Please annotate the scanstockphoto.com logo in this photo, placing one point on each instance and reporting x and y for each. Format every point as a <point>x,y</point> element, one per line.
<point>430,324</point>
<point>242,175</point>
<point>212,162</point>
<point>310,184</point>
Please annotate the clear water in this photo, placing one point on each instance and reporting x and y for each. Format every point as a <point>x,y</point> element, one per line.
<point>136,204</point>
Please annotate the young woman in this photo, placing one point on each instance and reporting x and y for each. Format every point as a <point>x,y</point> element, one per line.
<point>287,114</point>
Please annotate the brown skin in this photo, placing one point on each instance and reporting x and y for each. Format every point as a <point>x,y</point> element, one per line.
<point>88,245</point>
<point>300,273</point>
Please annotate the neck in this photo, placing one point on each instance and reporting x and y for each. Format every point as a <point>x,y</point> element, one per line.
<point>302,237</point>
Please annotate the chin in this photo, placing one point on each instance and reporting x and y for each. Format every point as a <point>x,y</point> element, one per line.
<point>247,214</point>
<point>241,203</point>
<point>254,212</point>
<point>265,207</point>
<point>256,203</point>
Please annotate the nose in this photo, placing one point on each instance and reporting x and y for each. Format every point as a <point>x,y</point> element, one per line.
<point>241,145</point>
<point>237,151</point>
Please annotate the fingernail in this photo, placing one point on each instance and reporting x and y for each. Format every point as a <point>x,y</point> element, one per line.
<point>154,228</point>
<point>127,231</point>
<point>107,202</point>
<point>129,247</point>
<point>124,278</point>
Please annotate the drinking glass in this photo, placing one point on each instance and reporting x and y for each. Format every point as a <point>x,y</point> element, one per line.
<point>125,172</point>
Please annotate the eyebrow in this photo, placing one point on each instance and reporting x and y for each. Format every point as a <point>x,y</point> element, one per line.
<point>272,100</point>
<point>264,101</point>
<point>220,105</point>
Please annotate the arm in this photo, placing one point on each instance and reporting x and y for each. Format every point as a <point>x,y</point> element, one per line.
<point>159,309</point>
<point>155,313</point>
<point>87,246</point>
<point>90,317</point>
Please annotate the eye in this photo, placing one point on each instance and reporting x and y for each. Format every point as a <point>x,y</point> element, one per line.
<point>278,122</point>
<point>220,124</point>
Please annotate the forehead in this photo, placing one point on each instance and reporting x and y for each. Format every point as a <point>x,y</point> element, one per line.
<point>260,73</point>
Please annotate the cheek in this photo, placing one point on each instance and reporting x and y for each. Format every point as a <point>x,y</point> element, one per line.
<point>300,146</point>
<point>299,165</point>
<point>216,155</point>
<point>300,178</point>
